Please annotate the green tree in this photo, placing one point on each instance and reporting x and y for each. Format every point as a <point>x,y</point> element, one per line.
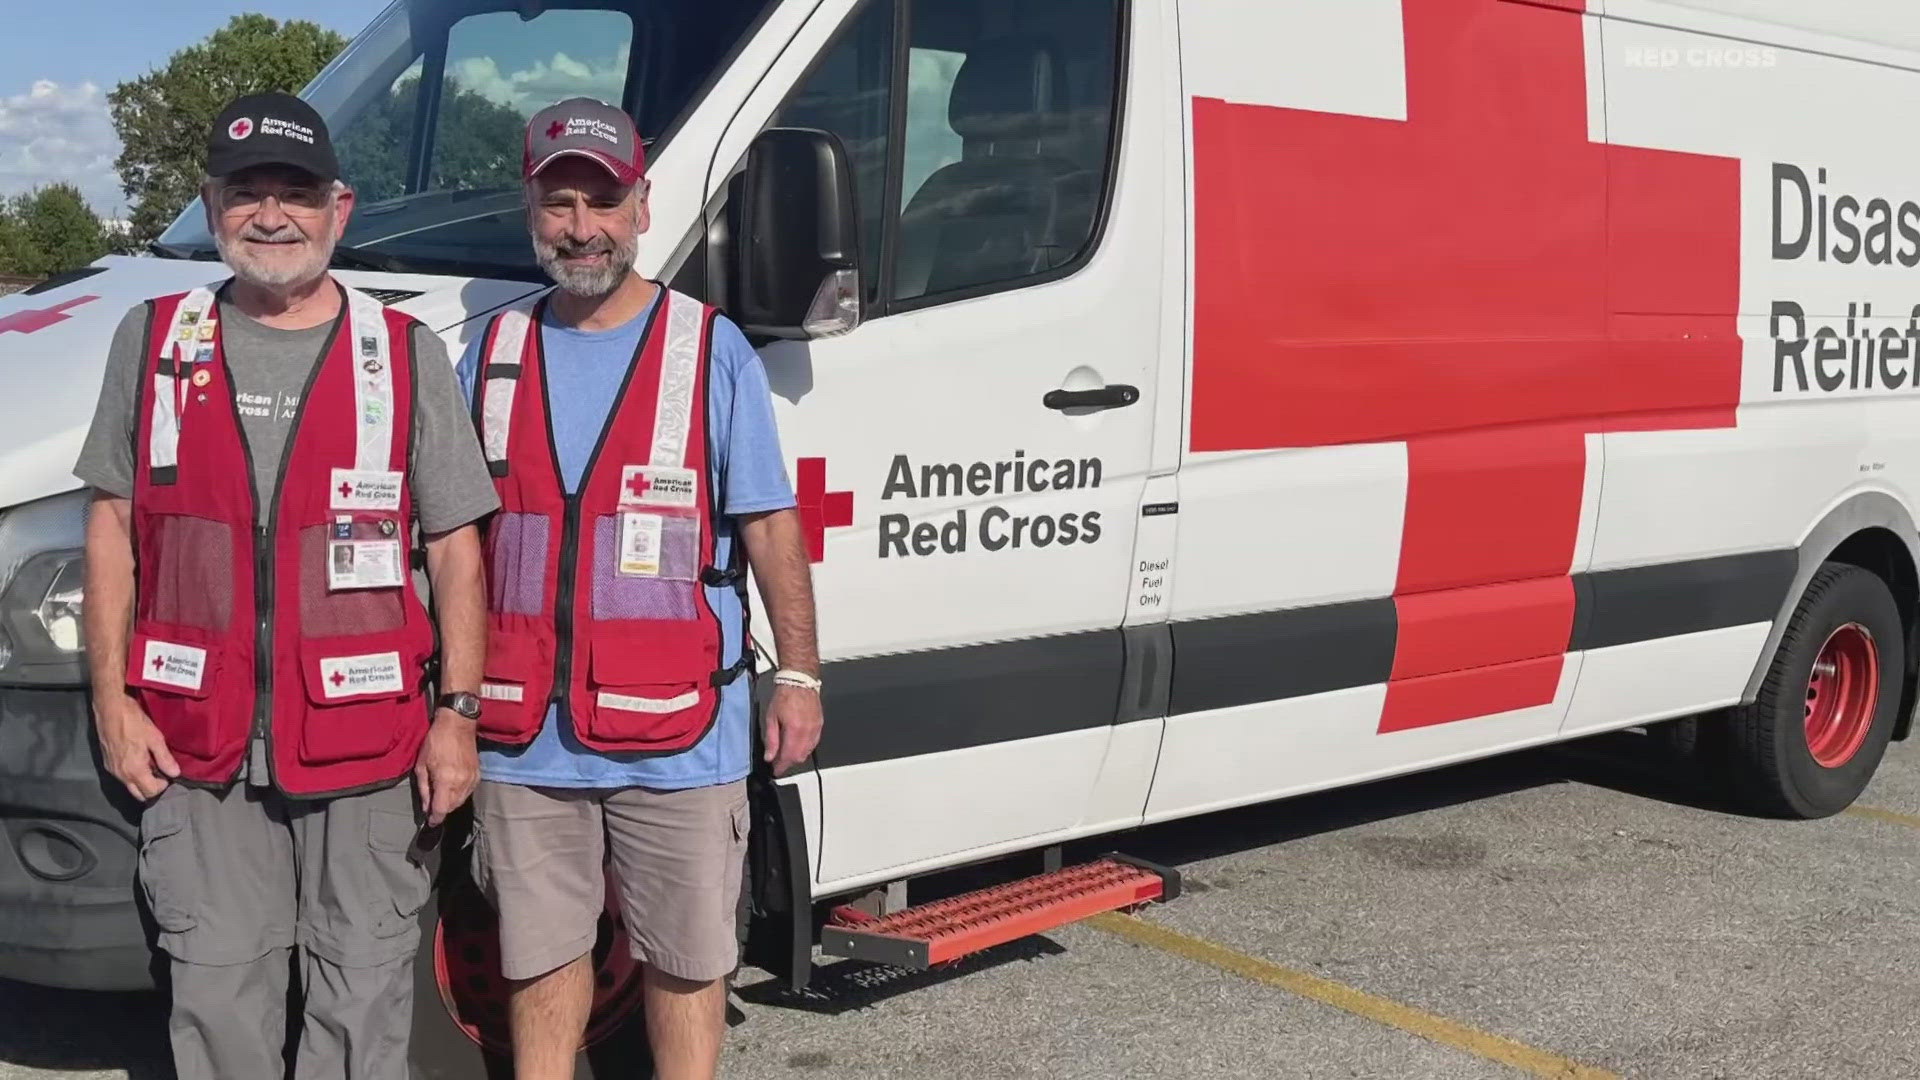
<point>163,116</point>
<point>49,231</point>
<point>13,242</point>
<point>476,143</point>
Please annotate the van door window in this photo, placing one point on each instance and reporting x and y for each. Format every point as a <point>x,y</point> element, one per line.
<point>850,93</point>
<point>993,173</point>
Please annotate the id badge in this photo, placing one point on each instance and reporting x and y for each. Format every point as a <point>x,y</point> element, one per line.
<point>640,544</point>
<point>363,564</point>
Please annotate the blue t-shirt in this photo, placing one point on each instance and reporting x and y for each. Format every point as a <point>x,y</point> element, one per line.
<point>584,370</point>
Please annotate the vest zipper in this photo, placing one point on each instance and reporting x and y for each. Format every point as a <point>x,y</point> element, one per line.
<point>563,602</point>
<point>570,522</point>
<point>263,563</point>
<point>262,612</point>
<point>263,630</point>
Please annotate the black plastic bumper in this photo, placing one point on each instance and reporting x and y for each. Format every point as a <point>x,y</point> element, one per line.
<point>69,909</point>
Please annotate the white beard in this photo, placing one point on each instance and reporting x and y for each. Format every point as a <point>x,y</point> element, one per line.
<point>278,273</point>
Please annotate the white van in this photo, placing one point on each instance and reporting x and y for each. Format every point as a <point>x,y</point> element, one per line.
<point>1192,403</point>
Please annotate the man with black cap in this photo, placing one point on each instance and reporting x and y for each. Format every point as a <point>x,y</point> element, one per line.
<point>274,455</point>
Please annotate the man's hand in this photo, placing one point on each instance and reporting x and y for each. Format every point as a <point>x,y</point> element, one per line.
<point>449,765</point>
<point>777,549</point>
<point>133,749</point>
<point>792,727</point>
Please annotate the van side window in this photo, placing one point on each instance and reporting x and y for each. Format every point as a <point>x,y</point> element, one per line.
<point>992,172</point>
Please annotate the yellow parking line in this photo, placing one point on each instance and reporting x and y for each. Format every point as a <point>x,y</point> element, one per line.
<point>1892,817</point>
<point>1358,1002</point>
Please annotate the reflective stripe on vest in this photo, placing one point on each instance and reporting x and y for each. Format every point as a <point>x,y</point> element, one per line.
<point>372,383</point>
<point>673,410</point>
<point>502,377</point>
<point>177,351</point>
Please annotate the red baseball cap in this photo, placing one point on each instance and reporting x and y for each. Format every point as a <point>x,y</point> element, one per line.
<point>585,128</point>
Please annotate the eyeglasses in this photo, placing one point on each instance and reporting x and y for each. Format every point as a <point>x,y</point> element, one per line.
<point>299,201</point>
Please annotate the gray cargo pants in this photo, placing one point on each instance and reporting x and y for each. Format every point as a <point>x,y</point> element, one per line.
<point>236,878</point>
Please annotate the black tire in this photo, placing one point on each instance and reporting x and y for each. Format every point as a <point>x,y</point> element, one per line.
<point>440,1050</point>
<point>1769,767</point>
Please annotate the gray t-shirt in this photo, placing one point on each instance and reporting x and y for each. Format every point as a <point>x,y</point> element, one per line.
<point>270,368</point>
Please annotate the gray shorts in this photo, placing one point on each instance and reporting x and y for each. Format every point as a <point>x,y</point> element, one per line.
<point>677,857</point>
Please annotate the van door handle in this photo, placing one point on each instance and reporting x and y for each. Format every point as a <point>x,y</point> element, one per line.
<point>1113,396</point>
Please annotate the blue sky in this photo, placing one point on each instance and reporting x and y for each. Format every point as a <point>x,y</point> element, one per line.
<point>59,60</point>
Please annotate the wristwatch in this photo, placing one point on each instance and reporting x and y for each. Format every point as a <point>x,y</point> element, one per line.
<point>465,703</point>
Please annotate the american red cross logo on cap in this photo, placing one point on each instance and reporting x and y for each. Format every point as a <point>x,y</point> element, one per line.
<point>555,129</point>
<point>240,128</point>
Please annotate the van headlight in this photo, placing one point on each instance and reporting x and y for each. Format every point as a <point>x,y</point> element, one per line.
<point>42,549</point>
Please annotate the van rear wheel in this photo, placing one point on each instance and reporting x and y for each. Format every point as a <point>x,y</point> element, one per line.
<point>1809,743</point>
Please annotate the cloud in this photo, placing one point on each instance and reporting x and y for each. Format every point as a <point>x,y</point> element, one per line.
<point>530,89</point>
<point>52,133</point>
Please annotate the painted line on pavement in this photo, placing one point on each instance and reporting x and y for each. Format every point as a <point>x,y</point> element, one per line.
<point>1349,999</point>
<point>1892,817</point>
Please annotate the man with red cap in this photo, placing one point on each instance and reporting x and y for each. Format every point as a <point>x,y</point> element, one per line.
<point>630,434</point>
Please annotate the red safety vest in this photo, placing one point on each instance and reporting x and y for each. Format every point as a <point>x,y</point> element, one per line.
<point>596,599</point>
<point>239,627</point>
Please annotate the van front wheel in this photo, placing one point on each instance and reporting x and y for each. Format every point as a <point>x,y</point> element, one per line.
<point>1809,743</point>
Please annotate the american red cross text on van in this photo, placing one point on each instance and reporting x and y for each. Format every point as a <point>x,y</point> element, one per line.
<point>995,528</point>
<point>1019,475</point>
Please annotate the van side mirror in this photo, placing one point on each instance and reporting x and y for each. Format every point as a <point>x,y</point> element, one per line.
<point>795,247</point>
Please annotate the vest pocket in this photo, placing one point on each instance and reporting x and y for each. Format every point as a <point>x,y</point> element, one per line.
<point>648,696</point>
<point>513,691</point>
<point>186,571</point>
<point>665,547</point>
<point>357,694</point>
<point>174,674</point>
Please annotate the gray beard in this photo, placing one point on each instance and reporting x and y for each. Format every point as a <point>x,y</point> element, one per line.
<point>259,275</point>
<point>586,283</point>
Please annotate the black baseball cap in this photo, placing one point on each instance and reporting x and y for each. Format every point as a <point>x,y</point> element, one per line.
<point>583,127</point>
<point>270,129</point>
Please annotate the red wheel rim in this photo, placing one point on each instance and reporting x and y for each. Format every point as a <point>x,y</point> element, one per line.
<point>1842,694</point>
<point>466,965</point>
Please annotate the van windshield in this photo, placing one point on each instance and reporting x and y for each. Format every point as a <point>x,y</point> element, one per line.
<point>428,105</point>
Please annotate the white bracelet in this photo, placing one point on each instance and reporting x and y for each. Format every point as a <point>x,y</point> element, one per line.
<point>790,677</point>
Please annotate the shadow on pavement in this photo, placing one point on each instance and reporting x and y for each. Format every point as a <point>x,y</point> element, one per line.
<point>84,1031</point>
<point>1630,762</point>
<point>1638,765</point>
<point>1249,828</point>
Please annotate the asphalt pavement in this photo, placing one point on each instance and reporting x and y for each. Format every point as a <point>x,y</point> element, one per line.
<point>1574,912</point>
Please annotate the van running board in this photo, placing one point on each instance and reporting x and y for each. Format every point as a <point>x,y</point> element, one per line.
<point>927,935</point>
